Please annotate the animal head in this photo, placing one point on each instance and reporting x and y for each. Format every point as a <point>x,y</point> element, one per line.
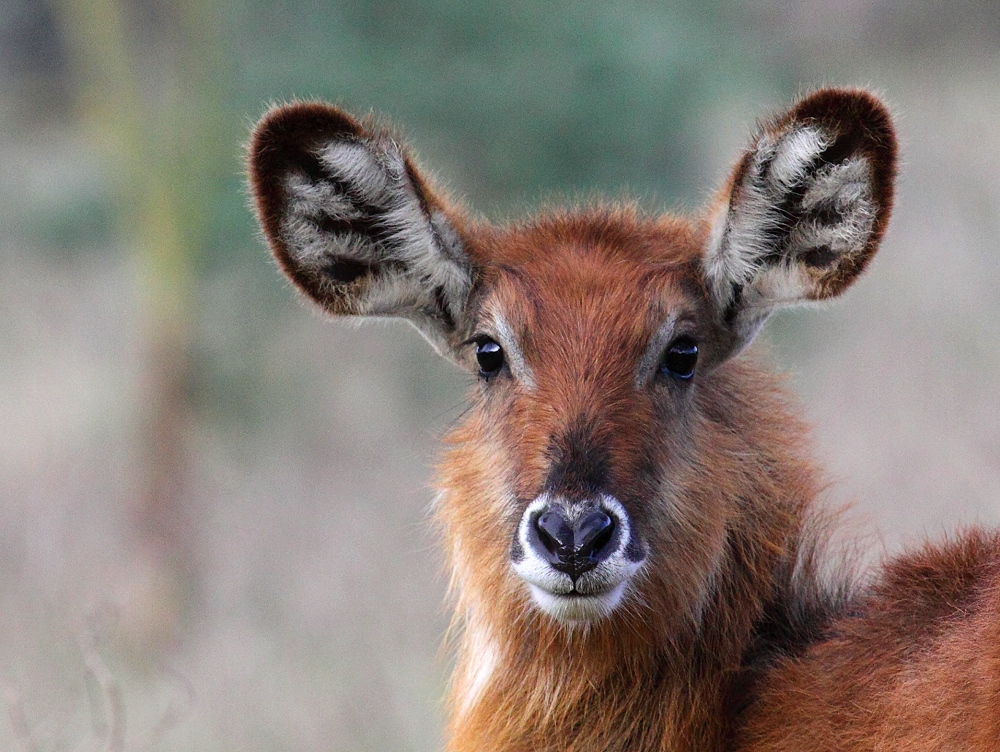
<point>615,439</point>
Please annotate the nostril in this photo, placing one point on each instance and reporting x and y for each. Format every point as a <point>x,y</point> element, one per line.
<point>594,533</point>
<point>575,546</point>
<point>556,534</point>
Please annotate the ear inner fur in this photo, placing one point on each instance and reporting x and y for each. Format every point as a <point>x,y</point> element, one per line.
<point>353,223</point>
<point>804,210</point>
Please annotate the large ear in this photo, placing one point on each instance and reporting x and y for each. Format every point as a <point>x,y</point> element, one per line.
<point>804,210</point>
<point>353,224</point>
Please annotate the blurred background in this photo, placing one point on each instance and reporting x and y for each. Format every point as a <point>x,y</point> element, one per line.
<point>213,503</point>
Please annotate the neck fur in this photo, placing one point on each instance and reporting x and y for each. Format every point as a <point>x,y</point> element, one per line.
<point>671,668</point>
<point>616,685</point>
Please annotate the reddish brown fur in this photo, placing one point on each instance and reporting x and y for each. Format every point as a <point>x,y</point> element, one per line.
<point>916,666</point>
<point>648,675</point>
<point>728,637</point>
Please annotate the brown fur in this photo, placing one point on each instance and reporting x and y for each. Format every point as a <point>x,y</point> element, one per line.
<point>650,675</point>
<point>914,666</point>
<point>728,637</point>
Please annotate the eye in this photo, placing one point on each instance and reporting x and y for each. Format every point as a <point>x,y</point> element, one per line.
<point>489,355</point>
<point>680,358</point>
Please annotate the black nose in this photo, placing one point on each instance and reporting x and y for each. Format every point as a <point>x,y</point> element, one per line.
<point>575,547</point>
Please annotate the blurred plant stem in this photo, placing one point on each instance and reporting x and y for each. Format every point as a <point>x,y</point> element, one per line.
<point>145,106</point>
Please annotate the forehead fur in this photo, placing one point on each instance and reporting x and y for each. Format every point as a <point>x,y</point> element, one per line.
<point>605,232</point>
<point>605,275</point>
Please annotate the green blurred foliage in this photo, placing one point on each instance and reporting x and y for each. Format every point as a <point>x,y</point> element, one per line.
<point>508,101</point>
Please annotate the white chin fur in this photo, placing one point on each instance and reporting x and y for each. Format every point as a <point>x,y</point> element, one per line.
<point>577,608</point>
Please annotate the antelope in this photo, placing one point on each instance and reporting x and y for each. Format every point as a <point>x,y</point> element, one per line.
<point>629,507</point>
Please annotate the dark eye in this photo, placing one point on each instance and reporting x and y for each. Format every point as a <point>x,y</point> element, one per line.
<point>680,358</point>
<point>489,355</point>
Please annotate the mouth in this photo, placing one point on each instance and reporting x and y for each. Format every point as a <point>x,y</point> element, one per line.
<point>574,606</point>
<point>577,559</point>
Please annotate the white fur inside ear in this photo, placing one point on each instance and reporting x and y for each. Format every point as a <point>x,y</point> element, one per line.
<point>788,212</point>
<point>743,232</point>
<point>355,165</point>
<point>793,155</point>
<point>369,212</point>
<point>841,195</point>
<point>308,203</point>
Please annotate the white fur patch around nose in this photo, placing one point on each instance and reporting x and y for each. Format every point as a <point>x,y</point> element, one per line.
<point>595,593</point>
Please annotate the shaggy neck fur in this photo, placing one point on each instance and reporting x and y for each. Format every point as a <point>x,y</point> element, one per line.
<point>666,671</point>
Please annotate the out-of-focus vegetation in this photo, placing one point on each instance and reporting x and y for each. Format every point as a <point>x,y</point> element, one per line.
<point>212,503</point>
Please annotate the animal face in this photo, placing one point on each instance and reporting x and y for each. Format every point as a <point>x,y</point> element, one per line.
<point>600,465</point>
<point>588,358</point>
